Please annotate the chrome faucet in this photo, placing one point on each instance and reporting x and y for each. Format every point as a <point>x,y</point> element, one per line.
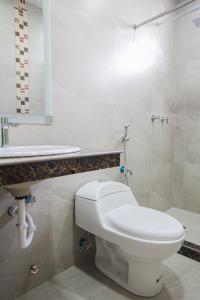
<point>154,118</point>
<point>5,124</point>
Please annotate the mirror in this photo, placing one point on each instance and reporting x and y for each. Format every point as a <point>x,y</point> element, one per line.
<point>25,80</point>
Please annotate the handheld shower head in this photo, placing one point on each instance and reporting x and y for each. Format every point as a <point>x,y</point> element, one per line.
<point>124,138</point>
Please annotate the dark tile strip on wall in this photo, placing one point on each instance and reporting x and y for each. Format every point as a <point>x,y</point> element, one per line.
<point>18,173</point>
<point>190,250</point>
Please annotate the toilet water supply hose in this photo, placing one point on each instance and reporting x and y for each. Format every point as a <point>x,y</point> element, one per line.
<point>26,227</point>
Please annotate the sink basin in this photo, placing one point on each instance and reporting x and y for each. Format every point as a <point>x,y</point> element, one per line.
<point>24,151</point>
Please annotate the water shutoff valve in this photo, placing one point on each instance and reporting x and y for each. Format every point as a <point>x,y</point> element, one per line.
<point>30,199</point>
<point>85,243</point>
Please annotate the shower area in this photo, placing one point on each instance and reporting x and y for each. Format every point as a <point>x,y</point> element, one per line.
<point>185,111</point>
<point>187,117</point>
<point>186,165</point>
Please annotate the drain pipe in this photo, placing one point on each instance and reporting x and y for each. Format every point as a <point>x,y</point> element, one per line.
<point>26,227</point>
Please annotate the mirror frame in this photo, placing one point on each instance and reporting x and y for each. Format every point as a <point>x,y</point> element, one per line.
<point>47,118</point>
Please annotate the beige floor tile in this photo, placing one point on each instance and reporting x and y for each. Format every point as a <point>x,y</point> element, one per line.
<point>190,220</point>
<point>182,281</point>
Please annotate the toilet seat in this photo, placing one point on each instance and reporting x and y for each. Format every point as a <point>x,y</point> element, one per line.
<point>144,223</point>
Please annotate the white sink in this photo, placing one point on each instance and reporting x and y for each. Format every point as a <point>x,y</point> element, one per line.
<point>24,151</point>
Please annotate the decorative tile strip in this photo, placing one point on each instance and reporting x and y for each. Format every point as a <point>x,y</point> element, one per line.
<point>190,250</point>
<point>22,61</point>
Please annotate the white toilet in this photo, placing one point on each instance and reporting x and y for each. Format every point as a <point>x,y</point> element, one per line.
<point>131,241</point>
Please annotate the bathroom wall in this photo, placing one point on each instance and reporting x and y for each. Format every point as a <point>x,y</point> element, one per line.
<point>104,76</point>
<point>187,137</point>
<point>56,242</point>
<point>107,75</point>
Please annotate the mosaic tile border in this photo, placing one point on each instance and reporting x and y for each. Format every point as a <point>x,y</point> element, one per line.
<point>22,57</point>
<point>190,250</point>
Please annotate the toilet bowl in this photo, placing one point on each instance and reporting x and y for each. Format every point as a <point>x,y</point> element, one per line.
<point>131,241</point>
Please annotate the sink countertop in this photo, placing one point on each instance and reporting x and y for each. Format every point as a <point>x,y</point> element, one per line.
<point>32,159</point>
<point>23,169</point>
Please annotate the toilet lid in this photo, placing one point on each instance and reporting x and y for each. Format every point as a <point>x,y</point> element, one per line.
<point>145,223</point>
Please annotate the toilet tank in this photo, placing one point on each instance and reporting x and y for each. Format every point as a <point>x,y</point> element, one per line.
<point>94,199</point>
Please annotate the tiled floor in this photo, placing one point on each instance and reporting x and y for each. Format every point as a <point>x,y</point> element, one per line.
<point>191,221</point>
<point>182,281</point>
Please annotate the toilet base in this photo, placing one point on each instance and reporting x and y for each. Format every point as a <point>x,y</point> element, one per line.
<point>141,277</point>
<point>145,278</point>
